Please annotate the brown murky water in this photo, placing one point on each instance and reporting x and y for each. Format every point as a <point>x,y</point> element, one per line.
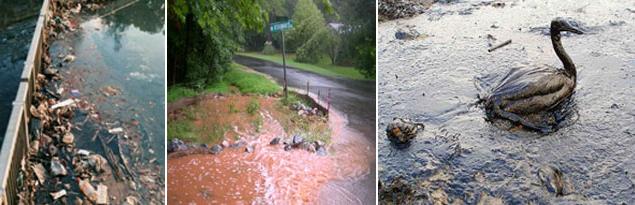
<point>268,175</point>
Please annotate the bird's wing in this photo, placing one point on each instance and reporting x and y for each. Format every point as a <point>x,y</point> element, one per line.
<point>519,78</point>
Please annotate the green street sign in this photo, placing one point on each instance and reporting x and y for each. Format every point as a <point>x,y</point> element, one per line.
<point>280,26</point>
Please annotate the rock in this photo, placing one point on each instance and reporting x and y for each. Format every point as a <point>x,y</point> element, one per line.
<point>204,146</point>
<point>401,131</point>
<point>176,145</point>
<point>58,194</point>
<point>68,138</point>
<point>321,151</point>
<point>249,149</point>
<point>216,149</point>
<point>287,147</point>
<point>57,169</point>
<point>318,144</point>
<point>310,147</point>
<point>297,140</point>
<point>275,141</point>
<point>238,143</point>
<point>225,143</point>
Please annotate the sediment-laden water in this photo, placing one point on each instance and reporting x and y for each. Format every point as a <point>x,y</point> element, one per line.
<point>462,157</point>
<point>268,174</point>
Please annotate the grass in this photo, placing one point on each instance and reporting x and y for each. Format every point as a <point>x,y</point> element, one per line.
<point>181,129</point>
<point>322,68</point>
<point>312,128</point>
<point>185,130</point>
<point>237,77</point>
<point>253,106</point>
<point>249,82</point>
<point>178,91</point>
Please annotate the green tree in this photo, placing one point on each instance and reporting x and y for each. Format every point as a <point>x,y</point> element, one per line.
<point>307,22</point>
<point>314,48</point>
<point>358,41</point>
<point>204,34</point>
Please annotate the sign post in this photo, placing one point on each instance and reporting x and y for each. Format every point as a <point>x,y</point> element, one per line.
<point>281,26</point>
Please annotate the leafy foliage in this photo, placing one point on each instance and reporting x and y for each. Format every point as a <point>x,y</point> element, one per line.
<point>204,34</point>
<point>307,22</point>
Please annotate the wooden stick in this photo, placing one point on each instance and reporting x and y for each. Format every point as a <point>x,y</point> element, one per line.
<point>500,45</point>
<point>112,160</point>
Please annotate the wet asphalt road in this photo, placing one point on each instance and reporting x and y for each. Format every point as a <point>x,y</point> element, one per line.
<point>354,98</point>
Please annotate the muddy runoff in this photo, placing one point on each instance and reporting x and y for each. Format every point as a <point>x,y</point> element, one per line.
<point>80,154</point>
<point>439,61</point>
<point>268,166</point>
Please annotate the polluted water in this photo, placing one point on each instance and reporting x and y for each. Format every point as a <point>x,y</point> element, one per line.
<point>440,66</point>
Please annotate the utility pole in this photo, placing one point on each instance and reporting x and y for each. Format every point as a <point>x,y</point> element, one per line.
<point>284,67</point>
<point>281,26</point>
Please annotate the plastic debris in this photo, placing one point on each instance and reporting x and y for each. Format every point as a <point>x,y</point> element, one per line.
<point>102,194</point>
<point>115,130</point>
<point>131,200</point>
<point>75,93</point>
<point>57,169</point>
<point>83,152</point>
<point>69,58</point>
<point>88,190</point>
<point>64,103</point>
<point>68,138</point>
<point>40,172</point>
<point>59,194</point>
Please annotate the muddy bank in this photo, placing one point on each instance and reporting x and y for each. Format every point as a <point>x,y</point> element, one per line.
<point>82,151</point>
<point>461,157</point>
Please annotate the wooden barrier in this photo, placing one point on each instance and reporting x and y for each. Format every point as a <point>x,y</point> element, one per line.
<point>16,139</point>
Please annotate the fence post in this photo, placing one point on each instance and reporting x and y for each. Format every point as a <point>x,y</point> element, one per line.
<point>307,88</point>
<point>318,98</point>
<point>328,101</point>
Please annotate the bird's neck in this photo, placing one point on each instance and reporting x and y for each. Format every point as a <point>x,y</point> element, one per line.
<point>569,67</point>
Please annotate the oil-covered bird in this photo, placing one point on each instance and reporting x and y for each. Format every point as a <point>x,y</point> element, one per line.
<point>524,92</point>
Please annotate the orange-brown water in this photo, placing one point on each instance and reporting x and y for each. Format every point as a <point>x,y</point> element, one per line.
<point>268,175</point>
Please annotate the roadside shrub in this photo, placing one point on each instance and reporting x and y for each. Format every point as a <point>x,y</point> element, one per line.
<point>253,106</point>
<point>268,49</point>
